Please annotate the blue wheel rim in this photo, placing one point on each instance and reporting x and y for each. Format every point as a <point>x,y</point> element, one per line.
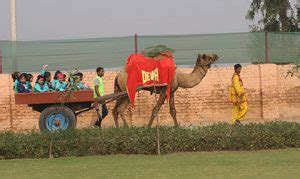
<point>56,121</point>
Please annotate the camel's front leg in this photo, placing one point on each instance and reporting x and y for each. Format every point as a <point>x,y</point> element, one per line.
<point>172,109</point>
<point>157,107</point>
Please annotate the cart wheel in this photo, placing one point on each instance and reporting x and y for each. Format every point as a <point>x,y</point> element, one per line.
<point>57,118</point>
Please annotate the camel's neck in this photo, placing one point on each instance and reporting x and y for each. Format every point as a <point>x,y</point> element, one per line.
<point>192,79</point>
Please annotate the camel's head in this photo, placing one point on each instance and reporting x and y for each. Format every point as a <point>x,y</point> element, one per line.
<point>206,60</point>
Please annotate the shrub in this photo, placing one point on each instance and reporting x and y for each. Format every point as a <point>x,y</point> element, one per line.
<point>140,140</point>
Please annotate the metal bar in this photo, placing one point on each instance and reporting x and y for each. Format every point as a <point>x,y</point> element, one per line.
<point>13,20</point>
<point>138,98</point>
<point>104,100</point>
<point>1,66</point>
<point>135,43</point>
<point>112,96</point>
<point>261,93</point>
<point>88,109</point>
<point>267,60</point>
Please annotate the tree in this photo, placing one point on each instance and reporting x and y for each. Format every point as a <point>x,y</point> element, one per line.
<point>274,15</point>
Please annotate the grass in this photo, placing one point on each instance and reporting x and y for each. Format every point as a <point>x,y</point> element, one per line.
<point>254,164</point>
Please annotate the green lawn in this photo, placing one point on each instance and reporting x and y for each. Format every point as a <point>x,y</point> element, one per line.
<point>258,164</point>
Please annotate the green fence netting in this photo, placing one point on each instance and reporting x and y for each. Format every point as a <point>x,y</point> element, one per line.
<point>29,56</point>
<point>284,47</point>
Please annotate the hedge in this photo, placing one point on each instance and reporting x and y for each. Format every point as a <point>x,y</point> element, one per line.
<point>139,140</point>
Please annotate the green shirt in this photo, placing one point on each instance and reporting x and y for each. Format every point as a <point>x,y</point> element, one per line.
<point>98,82</point>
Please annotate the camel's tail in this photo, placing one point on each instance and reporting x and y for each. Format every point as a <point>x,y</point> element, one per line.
<point>117,87</point>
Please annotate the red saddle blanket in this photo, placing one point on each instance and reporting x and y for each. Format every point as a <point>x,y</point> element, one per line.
<point>146,72</point>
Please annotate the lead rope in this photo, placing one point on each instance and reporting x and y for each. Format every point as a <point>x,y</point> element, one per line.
<point>220,79</point>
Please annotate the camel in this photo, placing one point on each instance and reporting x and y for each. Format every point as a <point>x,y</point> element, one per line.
<point>181,79</point>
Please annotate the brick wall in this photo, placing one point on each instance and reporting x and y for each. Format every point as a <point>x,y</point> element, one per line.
<point>271,97</point>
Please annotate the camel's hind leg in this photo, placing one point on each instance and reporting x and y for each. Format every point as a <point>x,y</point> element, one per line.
<point>115,112</point>
<point>120,109</point>
<point>119,101</point>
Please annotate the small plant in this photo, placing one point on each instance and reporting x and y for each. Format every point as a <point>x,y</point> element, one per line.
<point>73,80</point>
<point>294,71</point>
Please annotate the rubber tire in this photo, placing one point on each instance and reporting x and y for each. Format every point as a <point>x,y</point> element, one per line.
<point>66,111</point>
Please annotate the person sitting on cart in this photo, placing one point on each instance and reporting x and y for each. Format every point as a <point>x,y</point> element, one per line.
<point>55,80</point>
<point>47,75</point>
<point>23,86</point>
<point>59,85</point>
<point>75,82</point>
<point>80,84</point>
<point>40,85</point>
<point>65,78</point>
<point>29,78</point>
<point>15,76</point>
<point>98,92</point>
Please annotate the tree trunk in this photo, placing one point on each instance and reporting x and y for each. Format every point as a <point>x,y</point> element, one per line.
<point>283,16</point>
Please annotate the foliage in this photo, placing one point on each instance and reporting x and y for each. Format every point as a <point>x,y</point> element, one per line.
<point>156,50</point>
<point>272,135</point>
<point>274,15</point>
<point>73,80</point>
<point>294,71</point>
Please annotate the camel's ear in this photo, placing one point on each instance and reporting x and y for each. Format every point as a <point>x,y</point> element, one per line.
<point>203,56</point>
<point>199,55</point>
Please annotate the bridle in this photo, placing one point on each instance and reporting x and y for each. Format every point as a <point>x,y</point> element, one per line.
<point>206,65</point>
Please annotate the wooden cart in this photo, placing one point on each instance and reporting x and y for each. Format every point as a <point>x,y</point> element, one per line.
<point>59,109</point>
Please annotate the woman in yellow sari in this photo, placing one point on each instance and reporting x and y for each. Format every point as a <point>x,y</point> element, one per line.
<point>238,96</point>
